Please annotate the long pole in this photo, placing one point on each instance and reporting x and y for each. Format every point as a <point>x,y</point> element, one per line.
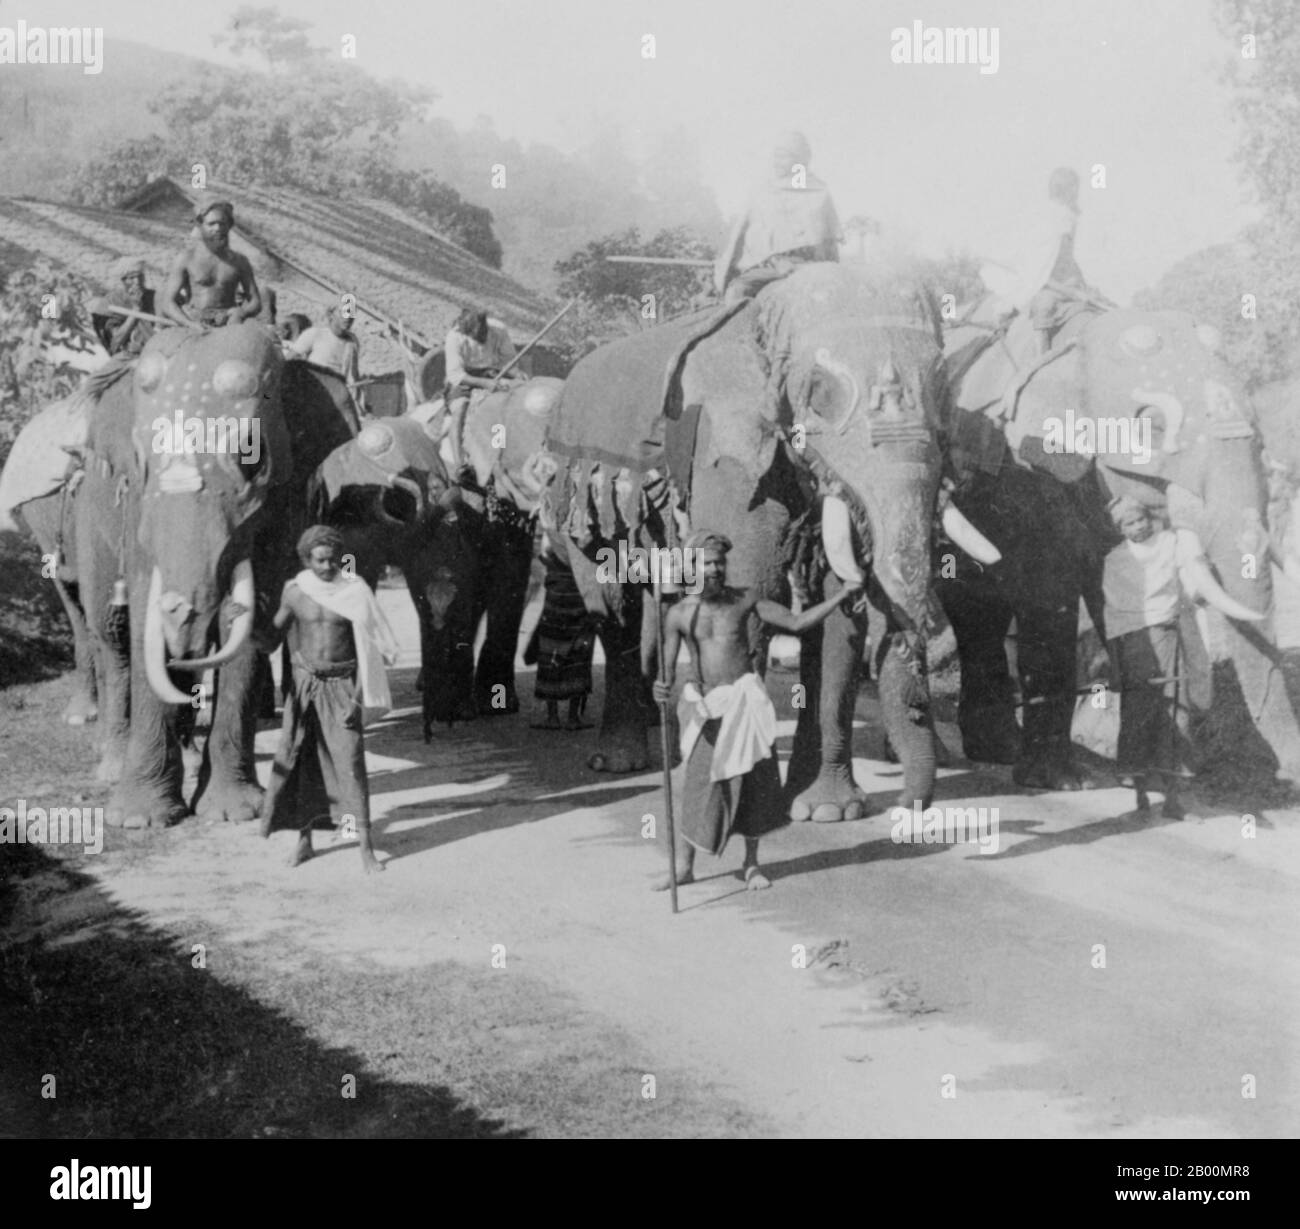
<point>681,262</point>
<point>546,328</point>
<point>666,748</point>
<point>112,309</point>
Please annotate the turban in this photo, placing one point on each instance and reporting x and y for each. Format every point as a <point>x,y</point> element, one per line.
<point>792,146</point>
<point>128,266</point>
<point>1124,505</point>
<point>707,539</point>
<point>210,201</point>
<point>319,535</point>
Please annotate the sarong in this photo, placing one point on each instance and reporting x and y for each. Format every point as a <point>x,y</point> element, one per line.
<point>1153,735</point>
<point>749,802</point>
<point>564,640</point>
<point>320,766</point>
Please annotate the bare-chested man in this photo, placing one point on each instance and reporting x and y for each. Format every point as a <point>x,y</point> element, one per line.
<point>204,284</point>
<point>338,639</point>
<point>727,721</point>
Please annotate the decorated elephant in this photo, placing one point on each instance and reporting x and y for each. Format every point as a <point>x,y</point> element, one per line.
<point>484,570</point>
<point>803,426</point>
<point>193,496</point>
<point>1126,403</point>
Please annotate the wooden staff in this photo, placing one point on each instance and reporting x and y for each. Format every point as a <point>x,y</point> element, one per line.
<point>112,309</point>
<point>546,328</point>
<point>666,748</point>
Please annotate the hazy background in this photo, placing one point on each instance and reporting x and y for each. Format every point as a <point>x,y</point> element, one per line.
<point>941,152</point>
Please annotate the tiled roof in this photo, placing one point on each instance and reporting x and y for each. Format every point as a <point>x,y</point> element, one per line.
<point>390,260</point>
<point>394,264</point>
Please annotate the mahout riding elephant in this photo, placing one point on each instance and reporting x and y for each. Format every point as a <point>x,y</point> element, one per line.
<point>193,497</point>
<point>801,425</point>
<point>1126,402</point>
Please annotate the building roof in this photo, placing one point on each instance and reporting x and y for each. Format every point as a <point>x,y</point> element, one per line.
<point>309,249</point>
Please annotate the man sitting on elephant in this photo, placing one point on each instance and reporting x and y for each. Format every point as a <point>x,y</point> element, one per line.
<point>209,275</point>
<point>478,349</point>
<point>126,334</point>
<point>1044,279</point>
<point>728,723</point>
<point>333,346</point>
<point>790,220</point>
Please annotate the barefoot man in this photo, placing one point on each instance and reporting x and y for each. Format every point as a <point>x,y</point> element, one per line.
<point>340,642</point>
<point>728,723</point>
<point>209,274</point>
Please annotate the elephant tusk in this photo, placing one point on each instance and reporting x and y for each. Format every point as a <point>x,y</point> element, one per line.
<point>243,594</point>
<point>965,535</point>
<point>837,539</point>
<point>1200,580</point>
<point>154,648</point>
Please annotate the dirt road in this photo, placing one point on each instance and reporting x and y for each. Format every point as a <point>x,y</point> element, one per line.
<point>1103,973</point>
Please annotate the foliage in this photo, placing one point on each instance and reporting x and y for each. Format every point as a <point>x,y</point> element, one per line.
<point>311,120</point>
<point>31,376</point>
<point>619,298</point>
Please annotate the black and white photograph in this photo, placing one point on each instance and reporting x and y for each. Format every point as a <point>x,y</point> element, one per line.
<point>685,569</point>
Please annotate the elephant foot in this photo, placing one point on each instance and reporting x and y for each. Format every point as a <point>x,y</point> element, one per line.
<point>619,759</point>
<point>833,797</point>
<point>137,807</point>
<point>111,764</point>
<point>80,710</point>
<point>238,801</point>
<point>1043,774</point>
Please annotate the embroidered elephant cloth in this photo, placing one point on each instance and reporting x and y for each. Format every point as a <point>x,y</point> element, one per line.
<point>376,645</point>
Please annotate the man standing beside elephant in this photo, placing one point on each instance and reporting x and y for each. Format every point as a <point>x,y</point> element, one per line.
<point>728,722</point>
<point>340,643</point>
<point>208,276</point>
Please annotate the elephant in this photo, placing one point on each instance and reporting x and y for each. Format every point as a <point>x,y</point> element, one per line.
<point>804,426</point>
<point>194,494</point>
<point>1126,402</point>
<point>483,568</point>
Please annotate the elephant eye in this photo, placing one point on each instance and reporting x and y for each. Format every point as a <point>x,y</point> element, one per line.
<point>829,396</point>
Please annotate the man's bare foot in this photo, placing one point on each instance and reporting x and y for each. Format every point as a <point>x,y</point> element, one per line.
<point>302,850</point>
<point>369,863</point>
<point>684,875</point>
<point>755,880</point>
<point>577,723</point>
<point>552,722</point>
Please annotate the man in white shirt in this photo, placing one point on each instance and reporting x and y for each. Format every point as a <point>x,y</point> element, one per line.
<point>790,220</point>
<point>332,345</point>
<point>1044,277</point>
<point>478,348</point>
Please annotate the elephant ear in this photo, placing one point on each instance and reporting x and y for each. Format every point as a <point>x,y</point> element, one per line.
<point>724,381</point>
<point>383,450</point>
<point>1041,415</point>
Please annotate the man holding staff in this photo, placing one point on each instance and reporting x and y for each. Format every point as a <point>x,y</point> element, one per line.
<point>728,723</point>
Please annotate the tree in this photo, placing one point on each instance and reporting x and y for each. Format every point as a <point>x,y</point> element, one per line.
<point>308,120</point>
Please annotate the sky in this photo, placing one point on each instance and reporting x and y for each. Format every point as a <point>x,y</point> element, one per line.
<point>943,154</point>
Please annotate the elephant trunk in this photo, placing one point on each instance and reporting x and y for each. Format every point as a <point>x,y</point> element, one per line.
<point>242,594</point>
